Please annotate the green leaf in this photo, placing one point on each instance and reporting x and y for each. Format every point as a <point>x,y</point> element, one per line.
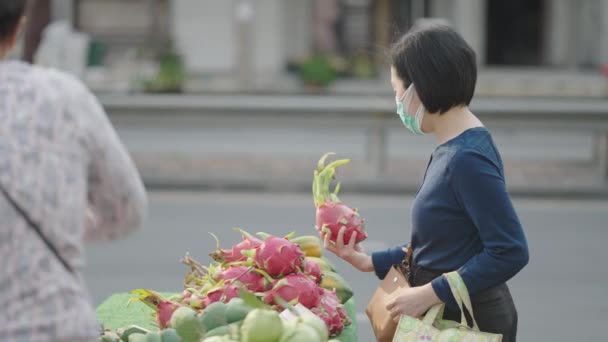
<point>321,164</point>
<point>251,300</point>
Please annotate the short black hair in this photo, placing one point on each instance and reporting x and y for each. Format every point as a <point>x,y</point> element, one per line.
<point>439,62</point>
<point>11,12</point>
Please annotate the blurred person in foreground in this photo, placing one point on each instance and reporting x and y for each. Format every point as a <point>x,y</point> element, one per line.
<point>462,218</point>
<point>65,178</point>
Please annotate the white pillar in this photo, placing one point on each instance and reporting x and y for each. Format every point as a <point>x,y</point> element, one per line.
<point>560,33</point>
<point>297,27</point>
<point>442,9</point>
<point>417,9</point>
<point>604,32</point>
<point>63,10</point>
<point>204,33</point>
<point>589,39</point>
<point>469,18</point>
<point>268,49</point>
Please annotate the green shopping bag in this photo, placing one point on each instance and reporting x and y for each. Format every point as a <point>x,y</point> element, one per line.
<point>433,328</point>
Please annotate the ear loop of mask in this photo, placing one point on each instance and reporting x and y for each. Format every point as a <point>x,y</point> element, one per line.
<point>419,115</point>
<point>407,97</point>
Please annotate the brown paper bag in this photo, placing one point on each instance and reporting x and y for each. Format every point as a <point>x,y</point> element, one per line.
<point>380,318</point>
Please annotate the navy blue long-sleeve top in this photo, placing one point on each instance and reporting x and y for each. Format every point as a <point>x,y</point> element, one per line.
<point>463,219</point>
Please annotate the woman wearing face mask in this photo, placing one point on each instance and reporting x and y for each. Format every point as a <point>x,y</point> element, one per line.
<point>462,217</point>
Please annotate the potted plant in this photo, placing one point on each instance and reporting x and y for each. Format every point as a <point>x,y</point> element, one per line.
<point>316,73</point>
<point>171,74</point>
<point>362,66</point>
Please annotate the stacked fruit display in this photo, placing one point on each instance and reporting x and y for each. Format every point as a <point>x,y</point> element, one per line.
<point>264,288</point>
<point>253,281</point>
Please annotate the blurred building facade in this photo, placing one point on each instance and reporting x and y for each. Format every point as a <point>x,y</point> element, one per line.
<point>261,37</point>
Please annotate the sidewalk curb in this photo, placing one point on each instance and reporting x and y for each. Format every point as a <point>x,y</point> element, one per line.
<point>361,187</point>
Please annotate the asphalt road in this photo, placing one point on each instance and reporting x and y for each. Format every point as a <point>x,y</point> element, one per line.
<point>561,295</point>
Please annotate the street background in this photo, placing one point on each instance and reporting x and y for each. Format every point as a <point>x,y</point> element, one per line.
<point>227,105</point>
<point>560,295</point>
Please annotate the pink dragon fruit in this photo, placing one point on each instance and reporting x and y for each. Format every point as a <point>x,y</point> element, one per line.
<point>250,278</point>
<point>223,293</point>
<point>186,294</point>
<point>332,214</point>
<point>334,327</point>
<point>332,312</point>
<point>294,288</point>
<point>277,256</point>
<point>313,270</point>
<point>329,300</point>
<point>234,254</point>
<point>164,308</point>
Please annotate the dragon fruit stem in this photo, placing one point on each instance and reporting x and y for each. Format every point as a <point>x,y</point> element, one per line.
<point>250,253</point>
<point>195,265</point>
<point>337,188</point>
<point>148,297</point>
<point>264,274</point>
<point>217,241</point>
<point>263,235</point>
<point>321,164</point>
<point>322,179</point>
<point>248,263</point>
<point>245,233</point>
<point>325,229</point>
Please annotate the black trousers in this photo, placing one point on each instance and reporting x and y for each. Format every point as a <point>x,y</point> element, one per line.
<point>493,308</point>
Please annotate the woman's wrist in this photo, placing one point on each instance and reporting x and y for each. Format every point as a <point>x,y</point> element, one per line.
<point>362,262</point>
<point>430,295</point>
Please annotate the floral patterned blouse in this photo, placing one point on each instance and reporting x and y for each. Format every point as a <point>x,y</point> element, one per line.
<point>63,163</point>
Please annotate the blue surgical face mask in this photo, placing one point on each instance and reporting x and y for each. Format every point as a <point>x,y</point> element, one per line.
<point>412,122</point>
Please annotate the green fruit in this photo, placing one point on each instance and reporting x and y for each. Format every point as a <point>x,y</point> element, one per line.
<point>215,339</point>
<point>110,336</point>
<point>153,337</point>
<point>214,315</point>
<point>219,331</point>
<point>187,325</point>
<point>317,323</point>
<point>219,339</point>
<point>231,330</point>
<point>323,263</point>
<point>137,337</point>
<point>170,335</point>
<point>128,331</point>
<point>237,310</point>
<point>262,326</point>
<point>302,333</point>
<point>289,328</point>
<point>310,245</point>
<point>332,280</point>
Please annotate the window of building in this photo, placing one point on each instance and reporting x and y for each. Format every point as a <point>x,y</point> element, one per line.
<point>515,32</point>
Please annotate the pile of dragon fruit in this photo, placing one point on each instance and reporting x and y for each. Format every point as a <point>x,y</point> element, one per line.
<point>280,272</point>
<point>271,267</point>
